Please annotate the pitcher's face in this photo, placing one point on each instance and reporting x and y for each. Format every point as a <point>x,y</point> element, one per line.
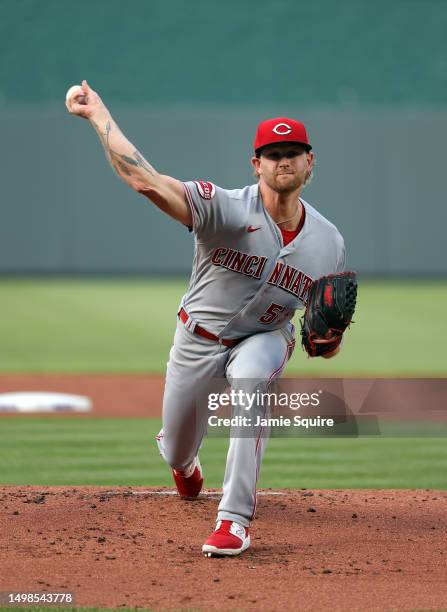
<point>284,167</point>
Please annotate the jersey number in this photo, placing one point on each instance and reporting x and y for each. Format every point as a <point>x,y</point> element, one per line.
<point>271,313</point>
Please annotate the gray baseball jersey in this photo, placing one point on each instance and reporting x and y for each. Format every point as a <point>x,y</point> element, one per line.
<point>244,279</point>
<point>245,284</point>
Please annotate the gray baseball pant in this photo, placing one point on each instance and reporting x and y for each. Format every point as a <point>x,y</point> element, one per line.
<point>193,362</point>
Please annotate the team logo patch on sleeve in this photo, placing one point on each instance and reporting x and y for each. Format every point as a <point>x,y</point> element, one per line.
<point>206,189</point>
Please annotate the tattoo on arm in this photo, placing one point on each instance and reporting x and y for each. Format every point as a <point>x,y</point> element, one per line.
<point>102,138</point>
<point>122,161</point>
<point>124,168</point>
<point>129,160</point>
<point>143,163</point>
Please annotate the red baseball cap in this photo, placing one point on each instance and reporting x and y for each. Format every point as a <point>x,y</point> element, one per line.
<point>280,129</point>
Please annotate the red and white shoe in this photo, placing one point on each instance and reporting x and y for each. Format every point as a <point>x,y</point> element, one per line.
<point>229,539</point>
<point>189,482</point>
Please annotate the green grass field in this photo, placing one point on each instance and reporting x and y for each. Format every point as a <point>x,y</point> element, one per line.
<point>127,326</point>
<point>112,452</point>
<point>102,325</point>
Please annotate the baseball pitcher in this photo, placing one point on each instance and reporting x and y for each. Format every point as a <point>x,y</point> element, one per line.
<point>261,253</point>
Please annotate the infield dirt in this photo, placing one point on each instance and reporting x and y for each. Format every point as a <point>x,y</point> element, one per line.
<point>312,550</point>
<point>343,550</point>
<point>112,395</point>
<point>141,395</point>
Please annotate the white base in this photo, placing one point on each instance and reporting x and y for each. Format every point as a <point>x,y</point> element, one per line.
<point>40,401</point>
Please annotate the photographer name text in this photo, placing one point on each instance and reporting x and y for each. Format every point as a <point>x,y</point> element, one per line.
<point>246,421</point>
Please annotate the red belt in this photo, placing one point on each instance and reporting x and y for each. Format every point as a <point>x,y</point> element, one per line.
<point>184,318</point>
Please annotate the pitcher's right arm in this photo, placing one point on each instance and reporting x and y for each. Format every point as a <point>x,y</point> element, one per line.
<point>164,191</point>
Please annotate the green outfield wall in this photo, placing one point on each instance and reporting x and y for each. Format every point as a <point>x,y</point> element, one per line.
<point>64,210</point>
<point>188,83</point>
<point>208,52</point>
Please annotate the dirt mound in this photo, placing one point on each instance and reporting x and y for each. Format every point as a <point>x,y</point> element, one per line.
<point>312,550</point>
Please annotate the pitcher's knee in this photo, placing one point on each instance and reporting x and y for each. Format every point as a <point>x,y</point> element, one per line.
<point>174,452</point>
<point>251,374</point>
<point>177,458</point>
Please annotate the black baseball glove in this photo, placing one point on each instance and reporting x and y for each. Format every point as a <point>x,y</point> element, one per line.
<point>329,310</point>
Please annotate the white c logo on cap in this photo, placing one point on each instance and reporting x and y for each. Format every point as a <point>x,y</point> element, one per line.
<point>282,129</point>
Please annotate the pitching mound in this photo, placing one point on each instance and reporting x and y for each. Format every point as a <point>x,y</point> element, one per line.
<point>312,550</point>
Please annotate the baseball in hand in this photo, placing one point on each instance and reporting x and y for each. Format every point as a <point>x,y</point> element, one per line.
<point>75,89</point>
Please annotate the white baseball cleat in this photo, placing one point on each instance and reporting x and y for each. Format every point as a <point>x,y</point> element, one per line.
<point>228,540</point>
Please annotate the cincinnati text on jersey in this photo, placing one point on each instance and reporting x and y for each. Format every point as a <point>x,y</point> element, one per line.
<point>285,277</point>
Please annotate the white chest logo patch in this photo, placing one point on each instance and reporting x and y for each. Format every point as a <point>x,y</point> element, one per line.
<point>206,189</point>
<point>282,129</point>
